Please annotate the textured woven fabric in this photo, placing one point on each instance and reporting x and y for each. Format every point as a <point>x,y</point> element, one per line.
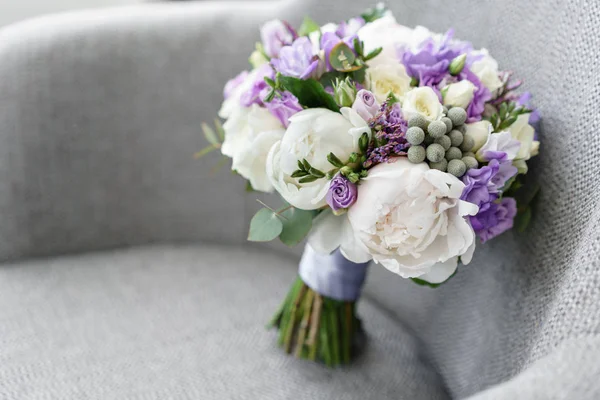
<point>180,323</point>
<point>99,114</point>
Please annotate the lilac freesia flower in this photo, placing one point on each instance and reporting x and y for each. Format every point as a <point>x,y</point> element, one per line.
<point>253,94</point>
<point>342,193</point>
<point>365,104</point>
<point>283,106</point>
<point>329,40</point>
<point>350,28</point>
<point>234,83</point>
<point>494,218</point>
<point>499,146</point>
<point>276,34</point>
<point>430,61</point>
<point>298,60</point>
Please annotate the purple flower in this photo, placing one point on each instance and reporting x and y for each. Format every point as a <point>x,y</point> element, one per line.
<point>276,34</point>
<point>494,218</point>
<point>234,83</point>
<point>329,40</point>
<point>365,104</point>
<point>253,95</point>
<point>298,60</point>
<point>481,96</point>
<point>342,193</point>
<point>390,131</point>
<point>283,106</point>
<point>534,117</point>
<point>479,187</point>
<point>350,28</point>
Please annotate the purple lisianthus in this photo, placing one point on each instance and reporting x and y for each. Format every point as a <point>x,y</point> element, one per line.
<point>329,40</point>
<point>365,104</point>
<point>479,187</point>
<point>494,218</point>
<point>234,83</point>
<point>276,34</point>
<point>298,60</point>
<point>282,106</point>
<point>499,146</point>
<point>253,94</point>
<point>342,193</point>
<point>481,96</point>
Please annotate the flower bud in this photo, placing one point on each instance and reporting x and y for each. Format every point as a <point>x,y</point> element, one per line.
<point>457,65</point>
<point>344,93</point>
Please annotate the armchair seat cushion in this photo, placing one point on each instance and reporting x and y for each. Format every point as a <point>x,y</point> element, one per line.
<point>181,323</point>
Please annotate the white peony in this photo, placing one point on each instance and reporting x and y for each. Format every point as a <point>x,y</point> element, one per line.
<point>250,132</point>
<point>388,78</point>
<point>479,132</point>
<point>312,135</point>
<point>423,101</point>
<point>459,94</point>
<point>523,132</point>
<point>409,218</point>
<point>388,34</point>
<point>486,69</point>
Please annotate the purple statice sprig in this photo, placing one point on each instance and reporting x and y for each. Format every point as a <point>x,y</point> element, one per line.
<point>389,135</point>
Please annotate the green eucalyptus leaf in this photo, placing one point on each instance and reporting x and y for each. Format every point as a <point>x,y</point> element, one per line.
<point>264,226</point>
<point>341,58</point>
<point>209,134</point>
<point>308,26</point>
<point>205,151</point>
<point>296,225</point>
<point>373,14</point>
<point>310,93</point>
<point>219,129</point>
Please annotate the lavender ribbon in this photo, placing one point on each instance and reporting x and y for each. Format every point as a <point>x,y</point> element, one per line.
<point>332,275</point>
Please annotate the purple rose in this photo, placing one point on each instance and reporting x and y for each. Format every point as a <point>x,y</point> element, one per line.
<point>342,193</point>
<point>282,107</point>
<point>365,104</point>
<point>276,34</point>
<point>298,60</point>
<point>253,95</point>
<point>494,218</point>
<point>234,83</point>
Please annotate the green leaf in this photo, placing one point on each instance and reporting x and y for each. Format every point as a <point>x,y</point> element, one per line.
<point>329,78</point>
<point>333,160</point>
<point>359,75</point>
<point>296,225</point>
<point>209,134</point>
<point>220,130</point>
<point>264,226</point>
<point>342,58</point>
<point>306,164</point>
<point>358,46</point>
<point>299,174</point>
<point>308,26</point>
<point>249,187</point>
<point>309,93</point>
<point>523,219</point>
<point>421,282</point>
<point>373,14</point>
<point>205,151</point>
<point>308,179</point>
<point>316,172</point>
<point>373,54</point>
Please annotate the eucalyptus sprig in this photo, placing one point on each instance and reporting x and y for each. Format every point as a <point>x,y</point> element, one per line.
<point>307,173</point>
<point>507,114</point>
<point>214,137</point>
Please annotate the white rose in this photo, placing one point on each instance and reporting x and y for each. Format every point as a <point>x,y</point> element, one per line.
<point>387,34</point>
<point>523,132</point>
<point>312,135</point>
<point>459,94</point>
<point>479,132</point>
<point>410,219</point>
<point>423,101</point>
<point>486,69</point>
<point>249,135</point>
<point>388,78</point>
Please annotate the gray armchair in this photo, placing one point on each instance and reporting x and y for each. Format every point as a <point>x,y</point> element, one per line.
<point>126,274</point>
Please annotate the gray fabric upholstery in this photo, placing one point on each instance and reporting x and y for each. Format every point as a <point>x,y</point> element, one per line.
<point>99,114</point>
<point>180,323</point>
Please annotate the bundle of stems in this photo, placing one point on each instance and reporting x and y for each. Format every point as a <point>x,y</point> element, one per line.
<point>315,327</point>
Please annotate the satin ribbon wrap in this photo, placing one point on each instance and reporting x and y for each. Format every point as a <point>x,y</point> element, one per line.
<point>332,275</point>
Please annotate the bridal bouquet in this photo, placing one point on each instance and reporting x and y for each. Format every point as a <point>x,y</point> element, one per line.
<point>387,144</point>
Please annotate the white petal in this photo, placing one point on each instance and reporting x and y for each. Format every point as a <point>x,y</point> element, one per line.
<point>327,232</point>
<point>441,271</point>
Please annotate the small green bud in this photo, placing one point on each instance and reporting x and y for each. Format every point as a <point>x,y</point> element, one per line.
<point>442,165</point>
<point>470,162</point>
<point>418,120</point>
<point>467,143</point>
<point>436,129</point>
<point>457,65</point>
<point>416,154</point>
<point>269,96</point>
<point>453,153</point>
<point>346,171</point>
<point>415,135</point>
<point>448,123</point>
<point>364,173</point>
<point>457,168</point>
<point>414,81</point>
<point>444,141</point>
<point>363,142</point>
<point>353,177</point>
<point>353,157</point>
<point>435,152</point>
<point>457,115</point>
<point>344,92</point>
<point>456,138</point>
